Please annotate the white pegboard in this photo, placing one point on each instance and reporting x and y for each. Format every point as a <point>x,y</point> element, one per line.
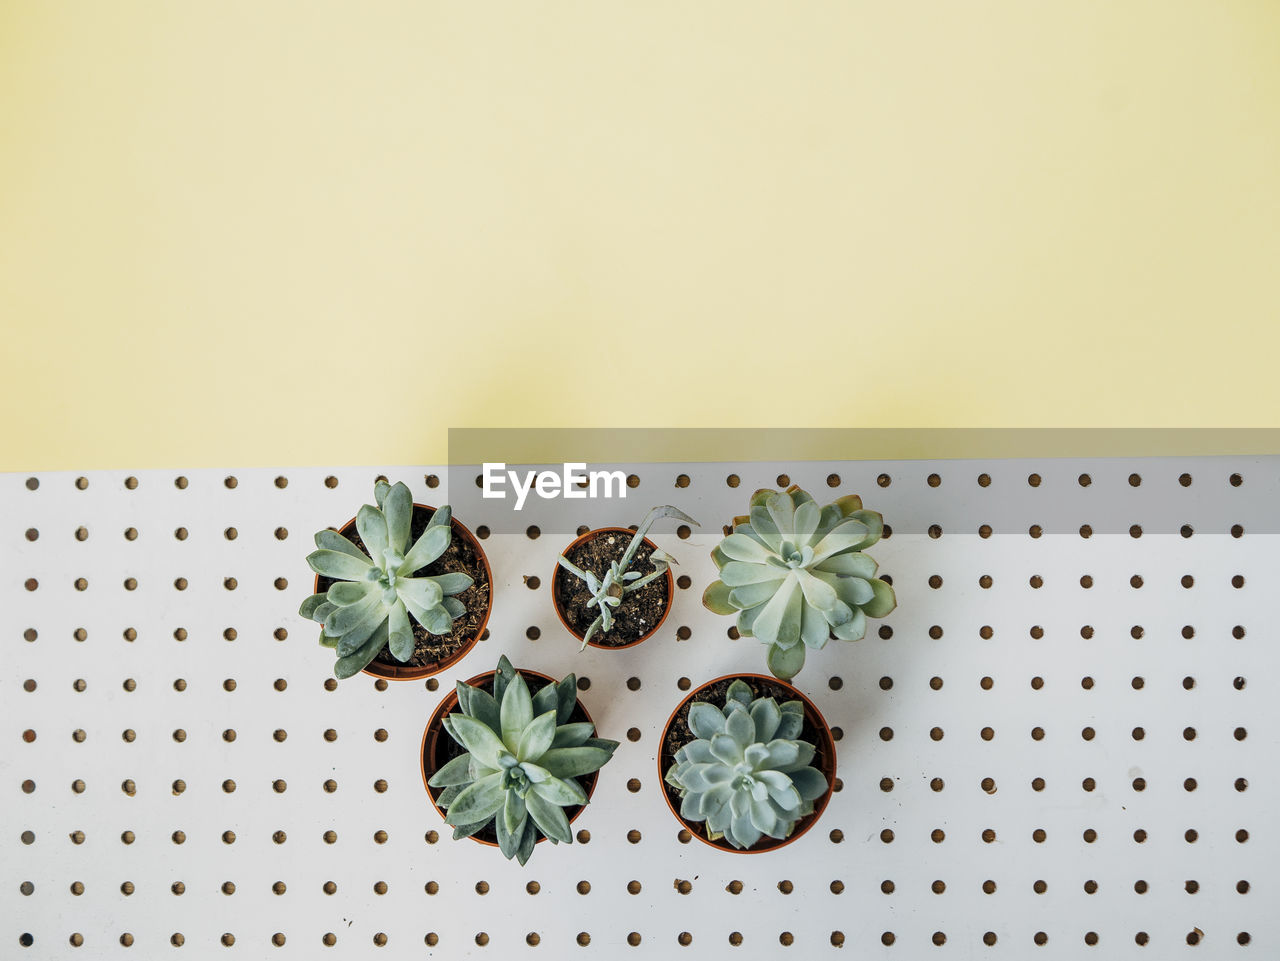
<point>927,708</point>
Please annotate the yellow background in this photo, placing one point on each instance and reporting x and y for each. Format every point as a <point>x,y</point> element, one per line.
<point>243,233</point>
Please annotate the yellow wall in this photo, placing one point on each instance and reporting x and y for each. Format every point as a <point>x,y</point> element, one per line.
<point>726,213</point>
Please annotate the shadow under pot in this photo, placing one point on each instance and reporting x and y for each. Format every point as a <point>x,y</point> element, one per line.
<point>813,729</point>
<point>439,748</point>
<point>433,653</point>
<point>640,614</point>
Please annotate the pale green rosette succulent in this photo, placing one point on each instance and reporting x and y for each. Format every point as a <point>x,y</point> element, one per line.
<point>523,758</point>
<point>375,594</point>
<point>747,774</point>
<point>796,575</point>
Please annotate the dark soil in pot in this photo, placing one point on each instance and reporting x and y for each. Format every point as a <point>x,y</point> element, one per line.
<point>438,748</point>
<point>641,612</point>
<point>814,730</point>
<point>430,651</point>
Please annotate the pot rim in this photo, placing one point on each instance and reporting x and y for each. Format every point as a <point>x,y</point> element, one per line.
<point>826,742</point>
<point>406,672</point>
<point>560,571</point>
<point>447,704</point>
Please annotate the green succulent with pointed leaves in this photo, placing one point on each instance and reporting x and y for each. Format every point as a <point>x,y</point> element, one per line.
<point>747,774</point>
<point>607,591</point>
<point>523,758</point>
<point>375,594</point>
<point>795,574</point>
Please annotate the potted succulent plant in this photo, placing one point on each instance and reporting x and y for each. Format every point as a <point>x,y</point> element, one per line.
<point>742,771</point>
<point>402,589</point>
<point>612,588</point>
<point>520,760</point>
<point>795,575</point>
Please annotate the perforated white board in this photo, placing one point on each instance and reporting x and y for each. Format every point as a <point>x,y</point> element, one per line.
<point>852,889</point>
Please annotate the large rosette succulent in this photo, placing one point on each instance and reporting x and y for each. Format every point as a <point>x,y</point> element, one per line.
<point>796,576</point>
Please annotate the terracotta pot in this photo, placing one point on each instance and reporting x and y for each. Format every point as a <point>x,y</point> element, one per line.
<point>410,672</point>
<point>435,738</point>
<point>560,573</point>
<point>824,760</point>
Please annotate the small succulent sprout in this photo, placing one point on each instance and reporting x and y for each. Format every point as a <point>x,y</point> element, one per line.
<point>796,575</point>
<point>607,591</point>
<point>375,594</point>
<point>746,774</point>
<point>523,758</point>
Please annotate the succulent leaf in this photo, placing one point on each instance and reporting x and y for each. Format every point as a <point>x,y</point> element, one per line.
<point>397,509</point>
<point>786,662</point>
<point>372,527</point>
<point>515,711</point>
<point>338,564</point>
<point>333,541</point>
<point>427,548</point>
<point>480,740</point>
<point>547,699</point>
<point>884,601</point>
<point>423,592</point>
<point>457,771</point>
<point>562,792</point>
<point>549,817</point>
<point>355,662</point>
<point>566,762</point>
<point>537,737</point>
<point>705,721</point>
<point>400,640</point>
<point>716,598</point>
<point>766,716</point>
<point>567,694</point>
<point>572,735</point>
<point>455,582</point>
<point>479,802</point>
<point>309,606</point>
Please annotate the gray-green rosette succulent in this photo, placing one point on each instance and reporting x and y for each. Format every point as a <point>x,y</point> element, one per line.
<point>747,774</point>
<point>795,574</point>
<point>523,758</point>
<point>376,593</point>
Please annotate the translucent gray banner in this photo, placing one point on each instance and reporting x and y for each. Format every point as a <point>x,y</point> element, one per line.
<point>985,482</point>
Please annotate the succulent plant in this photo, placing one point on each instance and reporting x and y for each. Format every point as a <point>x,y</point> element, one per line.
<point>523,757</point>
<point>795,575</point>
<point>607,592</point>
<point>374,594</point>
<point>746,774</point>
